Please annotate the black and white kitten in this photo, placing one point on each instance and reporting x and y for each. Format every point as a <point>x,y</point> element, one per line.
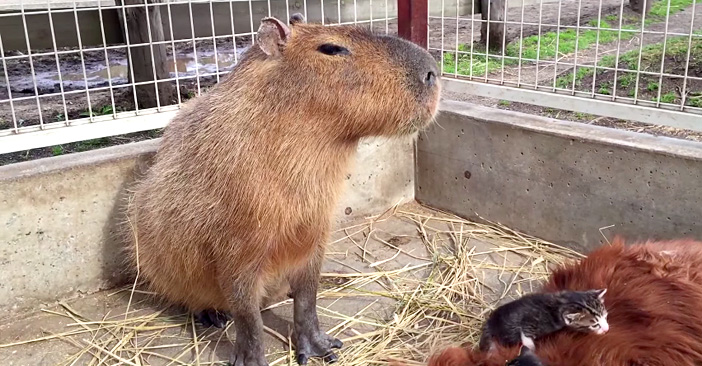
<point>537,315</point>
<point>526,357</point>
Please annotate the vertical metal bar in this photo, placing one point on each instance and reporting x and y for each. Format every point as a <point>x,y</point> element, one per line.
<point>487,39</point>
<point>370,8</point>
<point>665,44</point>
<point>558,38</point>
<point>458,19</point>
<point>412,20</point>
<point>58,63</point>
<point>355,12</point>
<point>82,60</point>
<point>192,34</point>
<point>538,45</point>
<point>338,10</point>
<point>153,58</point>
<point>321,5</point>
<point>504,41</point>
<point>472,37</point>
<point>214,39</point>
<point>521,46</point>
<point>443,15</point>
<point>577,38</point>
<point>129,56</point>
<point>641,44</point>
<point>683,97</point>
<point>31,64</point>
<point>7,83</point>
<point>253,30</point>
<point>597,49</point>
<point>387,21</point>
<point>173,47</point>
<point>619,46</point>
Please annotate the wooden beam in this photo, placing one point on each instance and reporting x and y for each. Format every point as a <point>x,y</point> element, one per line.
<point>412,20</point>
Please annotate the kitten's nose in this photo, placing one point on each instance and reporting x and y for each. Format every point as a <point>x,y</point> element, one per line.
<point>604,327</point>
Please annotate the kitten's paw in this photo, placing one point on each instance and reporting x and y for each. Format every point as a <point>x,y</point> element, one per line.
<point>211,317</point>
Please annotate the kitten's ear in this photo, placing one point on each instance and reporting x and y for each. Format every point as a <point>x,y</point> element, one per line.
<point>569,318</point>
<point>601,293</point>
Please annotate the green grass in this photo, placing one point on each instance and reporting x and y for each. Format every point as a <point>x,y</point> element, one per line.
<point>668,97</point>
<point>549,45</point>
<point>650,61</point>
<point>100,111</point>
<point>659,9</point>
<point>504,102</point>
<point>545,47</point>
<point>566,81</point>
<point>605,88</point>
<point>626,79</point>
<point>57,150</point>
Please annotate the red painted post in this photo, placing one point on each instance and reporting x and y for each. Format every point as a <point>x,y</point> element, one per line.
<point>412,20</point>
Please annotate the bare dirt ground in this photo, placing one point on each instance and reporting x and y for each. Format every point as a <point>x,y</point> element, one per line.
<point>197,71</point>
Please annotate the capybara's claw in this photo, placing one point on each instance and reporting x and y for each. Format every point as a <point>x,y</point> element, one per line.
<point>248,357</point>
<point>331,358</point>
<point>319,344</point>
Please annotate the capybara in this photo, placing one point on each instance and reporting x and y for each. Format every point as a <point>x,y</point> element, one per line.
<point>245,180</point>
<point>654,297</point>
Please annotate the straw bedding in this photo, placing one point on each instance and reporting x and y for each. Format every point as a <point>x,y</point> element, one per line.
<point>396,287</point>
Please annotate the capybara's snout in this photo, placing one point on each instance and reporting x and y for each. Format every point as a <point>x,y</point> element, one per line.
<point>421,72</point>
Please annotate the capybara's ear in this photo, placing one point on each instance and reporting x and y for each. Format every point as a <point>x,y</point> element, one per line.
<point>272,36</point>
<point>297,18</point>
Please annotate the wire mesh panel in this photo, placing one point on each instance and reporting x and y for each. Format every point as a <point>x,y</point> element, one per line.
<point>631,59</point>
<point>78,70</point>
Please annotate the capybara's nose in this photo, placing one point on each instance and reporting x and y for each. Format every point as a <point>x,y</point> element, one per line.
<point>430,78</point>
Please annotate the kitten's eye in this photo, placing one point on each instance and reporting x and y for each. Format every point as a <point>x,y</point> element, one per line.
<point>595,326</point>
<point>333,50</point>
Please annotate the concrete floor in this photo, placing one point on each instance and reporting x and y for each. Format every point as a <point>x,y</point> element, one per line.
<point>395,243</point>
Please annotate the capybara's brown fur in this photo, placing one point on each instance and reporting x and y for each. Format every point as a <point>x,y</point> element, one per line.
<point>246,177</point>
<point>654,297</point>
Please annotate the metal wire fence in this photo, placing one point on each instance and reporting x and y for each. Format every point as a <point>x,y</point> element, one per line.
<point>86,69</point>
<point>79,70</point>
<point>640,60</point>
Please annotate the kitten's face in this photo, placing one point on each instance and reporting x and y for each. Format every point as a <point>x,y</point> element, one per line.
<point>586,312</point>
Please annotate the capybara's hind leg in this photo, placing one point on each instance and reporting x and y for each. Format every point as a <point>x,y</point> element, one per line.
<point>310,340</point>
<point>212,317</point>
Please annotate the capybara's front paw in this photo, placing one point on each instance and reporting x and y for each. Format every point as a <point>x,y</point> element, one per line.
<point>316,344</point>
<point>248,357</point>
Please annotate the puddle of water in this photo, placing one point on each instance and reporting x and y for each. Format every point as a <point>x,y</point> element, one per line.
<point>98,75</point>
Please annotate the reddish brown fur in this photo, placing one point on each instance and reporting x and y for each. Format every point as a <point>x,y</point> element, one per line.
<point>654,299</point>
<point>247,176</point>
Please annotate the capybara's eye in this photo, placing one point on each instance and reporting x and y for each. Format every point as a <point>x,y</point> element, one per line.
<point>333,50</point>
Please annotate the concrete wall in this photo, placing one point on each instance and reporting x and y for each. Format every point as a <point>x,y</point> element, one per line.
<point>57,214</point>
<point>558,180</point>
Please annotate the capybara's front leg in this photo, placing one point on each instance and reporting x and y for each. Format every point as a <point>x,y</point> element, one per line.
<point>310,340</point>
<point>248,348</point>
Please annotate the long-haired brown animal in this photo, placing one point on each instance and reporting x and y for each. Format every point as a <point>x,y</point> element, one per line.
<point>245,180</point>
<point>654,299</point>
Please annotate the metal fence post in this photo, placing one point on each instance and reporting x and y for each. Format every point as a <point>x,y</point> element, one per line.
<point>413,20</point>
